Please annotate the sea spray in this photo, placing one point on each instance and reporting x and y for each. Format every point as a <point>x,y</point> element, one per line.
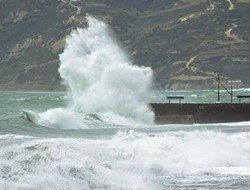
<point>129,160</point>
<point>101,79</point>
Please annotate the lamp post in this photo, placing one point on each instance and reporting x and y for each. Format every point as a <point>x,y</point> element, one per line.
<point>218,87</point>
<point>224,87</point>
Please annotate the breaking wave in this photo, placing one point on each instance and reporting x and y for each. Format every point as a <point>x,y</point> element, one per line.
<point>130,160</point>
<point>101,80</point>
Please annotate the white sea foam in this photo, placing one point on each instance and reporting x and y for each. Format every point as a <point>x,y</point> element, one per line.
<point>15,136</point>
<point>130,160</point>
<point>62,118</point>
<point>101,79</point>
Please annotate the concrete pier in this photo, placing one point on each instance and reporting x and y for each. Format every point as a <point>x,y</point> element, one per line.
<point>200,113</point>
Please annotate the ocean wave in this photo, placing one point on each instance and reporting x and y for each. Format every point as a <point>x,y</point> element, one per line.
<point>129,160</point>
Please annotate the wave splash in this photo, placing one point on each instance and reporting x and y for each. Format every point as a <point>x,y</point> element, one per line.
<point>101,79</point>
<point>130,160</point>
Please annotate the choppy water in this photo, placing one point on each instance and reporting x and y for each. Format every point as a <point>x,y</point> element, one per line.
<point>111,156</point>
<point>100,133</point>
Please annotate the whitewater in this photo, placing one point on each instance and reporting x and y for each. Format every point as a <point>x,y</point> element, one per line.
<point>101,81</point>
<point>100,133</point>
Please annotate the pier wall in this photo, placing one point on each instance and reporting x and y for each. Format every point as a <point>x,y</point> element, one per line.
<point>200,113</point>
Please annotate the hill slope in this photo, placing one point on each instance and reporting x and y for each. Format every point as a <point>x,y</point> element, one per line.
<point>183,41</point>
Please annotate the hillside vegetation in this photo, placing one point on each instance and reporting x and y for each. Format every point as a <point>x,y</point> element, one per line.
<point>183,41</point>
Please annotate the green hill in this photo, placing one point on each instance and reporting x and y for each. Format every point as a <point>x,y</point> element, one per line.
<point>183,41</point>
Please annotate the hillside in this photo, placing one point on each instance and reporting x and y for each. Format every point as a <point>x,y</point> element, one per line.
<point>183,41</point>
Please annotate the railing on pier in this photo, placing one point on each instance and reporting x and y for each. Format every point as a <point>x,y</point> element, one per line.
<point>175,98</point>
<point>242,96</point>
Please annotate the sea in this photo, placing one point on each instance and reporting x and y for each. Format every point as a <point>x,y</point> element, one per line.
<point>100,133</point>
